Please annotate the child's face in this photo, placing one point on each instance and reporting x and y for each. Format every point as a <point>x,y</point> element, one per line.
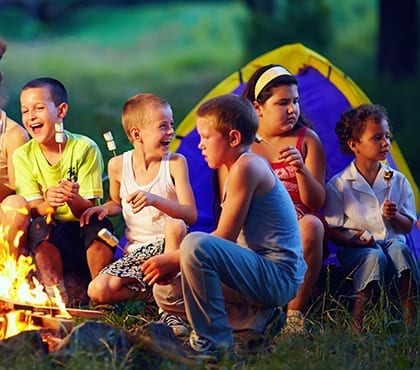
<point>281,111</point>
<point>158,131</point>
<point>374,143</point>
<point>213,144</point>
<point>39,113</point>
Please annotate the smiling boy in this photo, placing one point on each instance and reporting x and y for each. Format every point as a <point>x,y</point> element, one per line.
<point>59,179</point>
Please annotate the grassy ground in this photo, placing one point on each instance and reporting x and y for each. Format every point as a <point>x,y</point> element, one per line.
<point>384,344</point>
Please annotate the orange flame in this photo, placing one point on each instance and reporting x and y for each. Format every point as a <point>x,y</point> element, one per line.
<point>18,284</point>
<point>49,214</point>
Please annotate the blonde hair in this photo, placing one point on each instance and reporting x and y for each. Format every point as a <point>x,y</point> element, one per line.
<point>136,111</point>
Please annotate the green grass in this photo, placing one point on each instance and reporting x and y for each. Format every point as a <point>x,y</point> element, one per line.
<point>385,344</point>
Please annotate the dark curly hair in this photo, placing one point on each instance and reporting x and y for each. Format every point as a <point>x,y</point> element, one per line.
<point>353,122</point>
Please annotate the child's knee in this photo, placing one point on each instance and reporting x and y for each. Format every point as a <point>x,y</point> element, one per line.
<point>176,227</point>
<point>98,291</point>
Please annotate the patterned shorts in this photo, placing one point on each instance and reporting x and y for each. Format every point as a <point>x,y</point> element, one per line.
<point>129,265</point>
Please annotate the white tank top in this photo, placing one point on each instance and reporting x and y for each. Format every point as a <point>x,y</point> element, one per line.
<point>148,224</point>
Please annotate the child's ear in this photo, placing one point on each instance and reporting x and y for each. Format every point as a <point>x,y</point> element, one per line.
<point>235,138</point>
<point>257,107</point>
<point>135,134</point>
<point>352,144</point>
<point>62,110</point>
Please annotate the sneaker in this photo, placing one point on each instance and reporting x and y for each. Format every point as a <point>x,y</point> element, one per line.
<point>295,323</point>
<point>203,350</point>
<point>199,344</point>
<point>275,324</point>
<point>176,323</point>
<point>252,342</point>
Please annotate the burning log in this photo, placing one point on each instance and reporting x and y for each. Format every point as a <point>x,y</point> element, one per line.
<point>16,317</point>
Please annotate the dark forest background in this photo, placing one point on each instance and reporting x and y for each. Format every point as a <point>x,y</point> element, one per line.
<point>105,51</point>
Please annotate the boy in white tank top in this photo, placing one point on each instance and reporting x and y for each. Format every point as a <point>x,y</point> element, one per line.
<point>151,187</point>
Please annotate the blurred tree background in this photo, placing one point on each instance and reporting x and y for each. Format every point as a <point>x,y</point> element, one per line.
<point>107,50</point>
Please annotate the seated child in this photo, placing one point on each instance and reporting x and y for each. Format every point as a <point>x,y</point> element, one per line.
<point>60,176</point>
<point>370,207</point>
<point>236,277</point>
<point>151,187</point>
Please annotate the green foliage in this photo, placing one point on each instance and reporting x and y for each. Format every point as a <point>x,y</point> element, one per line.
<point>103,57</point>
<point>302,21</point>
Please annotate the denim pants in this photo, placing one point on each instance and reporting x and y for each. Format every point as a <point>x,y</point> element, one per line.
<point>382,261</point>
<point>223,286</point>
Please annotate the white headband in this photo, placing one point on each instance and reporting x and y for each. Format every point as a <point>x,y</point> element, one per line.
<point>268,76</point>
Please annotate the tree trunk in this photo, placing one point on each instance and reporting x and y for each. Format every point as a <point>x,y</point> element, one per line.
<point>398,38</point>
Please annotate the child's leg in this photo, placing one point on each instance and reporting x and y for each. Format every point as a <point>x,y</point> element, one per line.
<point>98,253</point>
<point>312,232</point>
<point>403,261</point>
<point>105,288</point>
<point>98,256</point>
<point>366,267</point>
<point>175,230</point>
<point>362,298</point>
<point>408,292</point>
<point>206,263</point>
<point>49,263</point>
<point>14,218</point>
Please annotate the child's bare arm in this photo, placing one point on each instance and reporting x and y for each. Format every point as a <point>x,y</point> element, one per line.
<point>185,195</point>
<point>184,208</point>
<point>114,178</point>
<point>311,182</point>
<point>245,179</point>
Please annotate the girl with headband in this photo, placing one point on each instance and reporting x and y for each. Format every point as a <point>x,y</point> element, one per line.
<point>296,154</point>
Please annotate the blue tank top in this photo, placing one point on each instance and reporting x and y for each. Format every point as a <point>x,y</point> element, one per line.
<point>271,229</point>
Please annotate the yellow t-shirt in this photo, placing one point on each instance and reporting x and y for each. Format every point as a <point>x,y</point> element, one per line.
<point>81,162</point>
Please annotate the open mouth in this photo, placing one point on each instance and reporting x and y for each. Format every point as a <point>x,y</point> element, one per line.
<point>36,127</point>
<point>165,143</point>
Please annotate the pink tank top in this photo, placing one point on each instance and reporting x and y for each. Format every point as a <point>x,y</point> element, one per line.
<point>287,174</point>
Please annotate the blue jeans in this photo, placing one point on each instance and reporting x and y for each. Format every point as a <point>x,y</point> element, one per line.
<point>224,286</point>
<point>382,261</point>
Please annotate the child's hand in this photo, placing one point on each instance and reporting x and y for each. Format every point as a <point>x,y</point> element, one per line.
<point>364,238</point>
<point>389,209</point>
<point>69,189</point>
<point>54,196</point>
<point>86,215</point>
<point>139,200</point>
<point>291,156</point>
<point>159,269</point>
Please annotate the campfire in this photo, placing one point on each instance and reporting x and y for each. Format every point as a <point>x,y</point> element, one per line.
<point>24,304</point>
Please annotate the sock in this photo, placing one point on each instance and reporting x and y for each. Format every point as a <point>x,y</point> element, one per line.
<point>60,287</point>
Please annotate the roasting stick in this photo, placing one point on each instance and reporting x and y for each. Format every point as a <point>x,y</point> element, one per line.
<point>259,139</point>
<point>59,139</point>
<point>59,135</point>
<point>110,239</point>
<point>104,233</point>
<point>110,143</point>
<point>112,147</point>
<point>388,173</point>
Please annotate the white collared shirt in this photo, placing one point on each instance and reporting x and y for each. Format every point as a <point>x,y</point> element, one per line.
<point>353,204</point>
